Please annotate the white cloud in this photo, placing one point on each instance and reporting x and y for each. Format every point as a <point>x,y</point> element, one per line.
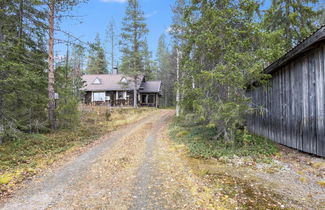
<point>151,14</point>
<point>116,1</point>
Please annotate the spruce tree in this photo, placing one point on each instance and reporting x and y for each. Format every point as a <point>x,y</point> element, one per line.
<point>22,63</point>
<point>221,55</point>
<point>68,83</point>
<point>133,44</point>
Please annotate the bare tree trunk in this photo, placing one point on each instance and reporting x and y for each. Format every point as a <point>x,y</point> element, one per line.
<point>112,50</point>
<point>1,94</point>
<point>51,79</point>
<point>178,87</point>
<point>135,98</point>
<point>193,83</point>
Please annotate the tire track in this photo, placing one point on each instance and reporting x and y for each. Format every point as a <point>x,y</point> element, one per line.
<point>142,192</point>
<point>47,190</point>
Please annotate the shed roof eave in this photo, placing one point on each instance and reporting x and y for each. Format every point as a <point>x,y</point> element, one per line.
<point>304,46</point>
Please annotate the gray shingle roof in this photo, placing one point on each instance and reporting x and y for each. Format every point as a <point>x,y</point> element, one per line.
<point>112,82</point>
<point>151,87</point>
<point>108,82</point>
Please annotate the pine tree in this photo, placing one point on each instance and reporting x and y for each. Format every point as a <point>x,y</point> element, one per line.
<point>56,9</point>
<point>77,65</point>
<point>133,44</point>
<point>111,36</point>
<point>148,63</point>
<point>97,63</point>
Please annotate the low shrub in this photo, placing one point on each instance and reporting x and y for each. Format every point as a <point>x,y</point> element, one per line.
<point>201,142</point>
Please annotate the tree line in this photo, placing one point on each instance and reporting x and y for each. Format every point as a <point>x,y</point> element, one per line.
<point>27,72</point>
<point>136,59</point>
<point>40,91</point>
<point>224,46</point>
<point>218,49</point>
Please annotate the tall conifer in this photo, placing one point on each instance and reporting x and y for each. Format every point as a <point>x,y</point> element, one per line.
<point>133,44</point>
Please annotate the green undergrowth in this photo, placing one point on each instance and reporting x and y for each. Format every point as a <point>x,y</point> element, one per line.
<point>200,142</point>
<point>30,153</point>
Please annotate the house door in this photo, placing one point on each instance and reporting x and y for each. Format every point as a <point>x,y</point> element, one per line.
<point>144,99</point>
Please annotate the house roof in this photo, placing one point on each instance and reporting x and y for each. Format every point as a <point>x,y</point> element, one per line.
<point>303,46</point>
<point>151,87</point>
<point>114,82</point>
<point>108,82</point>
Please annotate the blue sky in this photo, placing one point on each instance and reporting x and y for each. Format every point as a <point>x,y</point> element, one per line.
<point>93,17</point>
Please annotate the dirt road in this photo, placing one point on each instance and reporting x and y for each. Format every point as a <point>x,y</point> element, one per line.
<point>125,171</point>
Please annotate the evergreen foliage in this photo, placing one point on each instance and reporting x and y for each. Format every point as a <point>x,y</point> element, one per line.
<point>224,48</point>
<point>97,63</point>
<point>134,47</point>
<point>22,69</point>
<point>295,18</point>
<point>24,66</point>
<point>111,36</point>
<point>133,39</point>
<point>68,83</point>
<point>166,71</point>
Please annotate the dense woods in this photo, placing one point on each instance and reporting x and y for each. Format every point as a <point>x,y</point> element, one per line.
<point>213,52</point>
<point>225,45</point>
<point>23,54</point>
<point>27,94</point>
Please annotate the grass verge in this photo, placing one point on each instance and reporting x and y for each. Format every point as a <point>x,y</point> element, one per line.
<point>201,143</point>
<point>31,153</point>
<point>226,186</point>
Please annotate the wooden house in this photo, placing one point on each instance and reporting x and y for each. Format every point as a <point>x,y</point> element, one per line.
<point>117,90</point>
<point>293,106</point>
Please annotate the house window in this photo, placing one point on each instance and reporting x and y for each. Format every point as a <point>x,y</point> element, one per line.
<point>144,99</point>
<point>124,80</point>
<point>97,81</point>
<point>151,99</point>
<point>121,95</point>
<point>98,96</point>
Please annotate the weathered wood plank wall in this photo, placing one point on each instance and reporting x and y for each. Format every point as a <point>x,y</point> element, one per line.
<point>294,104</point>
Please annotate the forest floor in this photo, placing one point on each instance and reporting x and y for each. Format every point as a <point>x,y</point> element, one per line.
<point>138,166</point>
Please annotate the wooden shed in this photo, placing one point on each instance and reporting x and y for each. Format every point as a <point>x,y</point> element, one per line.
<point>293,106</point>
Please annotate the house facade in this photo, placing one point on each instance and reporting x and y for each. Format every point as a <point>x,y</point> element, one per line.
<point>293,105</point>
<point>117,90</point>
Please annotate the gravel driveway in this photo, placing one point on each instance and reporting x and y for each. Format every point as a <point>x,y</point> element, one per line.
<point>118,173</point>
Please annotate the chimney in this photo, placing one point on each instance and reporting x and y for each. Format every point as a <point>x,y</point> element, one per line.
<point>115,70</point>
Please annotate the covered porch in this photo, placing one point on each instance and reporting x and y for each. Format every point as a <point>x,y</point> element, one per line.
<point>149,99</point>
<point>112,98</point>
